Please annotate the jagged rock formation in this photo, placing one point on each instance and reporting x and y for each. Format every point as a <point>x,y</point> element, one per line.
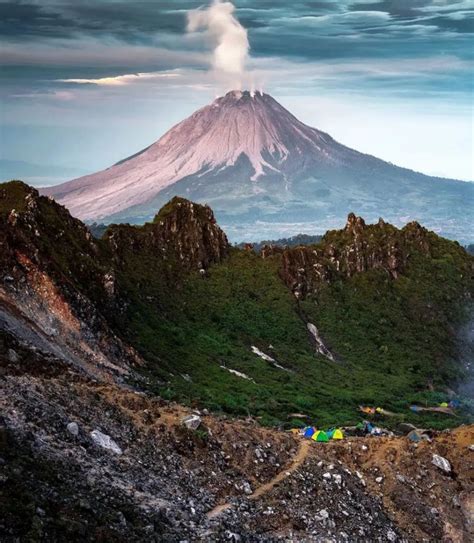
<point>356,249</point>
<point>182,232</point>
<point>173,296</point>
<point>252,161</point>
<point>59,283</point>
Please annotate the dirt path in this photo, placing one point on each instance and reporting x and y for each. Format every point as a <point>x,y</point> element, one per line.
<point>296,462</point>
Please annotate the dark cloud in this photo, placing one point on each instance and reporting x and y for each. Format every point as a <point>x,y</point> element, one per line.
<point>27,21</point>
<point>143,21</point>
<point>128,21</point>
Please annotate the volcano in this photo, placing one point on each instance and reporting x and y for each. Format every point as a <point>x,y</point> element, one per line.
<point>262,170</point>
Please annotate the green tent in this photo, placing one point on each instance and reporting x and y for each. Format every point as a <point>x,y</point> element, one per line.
<point>320,436</point>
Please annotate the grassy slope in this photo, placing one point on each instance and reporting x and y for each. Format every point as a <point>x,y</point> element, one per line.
<point>393,338</point>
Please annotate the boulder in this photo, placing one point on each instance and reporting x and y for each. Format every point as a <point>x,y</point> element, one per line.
<point>192,422</point>
<point>105,441</point>
<point>73,428</point>
<point>441,463</point>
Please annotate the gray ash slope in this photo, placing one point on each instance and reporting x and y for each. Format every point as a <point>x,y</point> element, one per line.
<point>256,164</point>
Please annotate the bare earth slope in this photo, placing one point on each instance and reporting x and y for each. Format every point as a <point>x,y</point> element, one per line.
<point>166,480</point>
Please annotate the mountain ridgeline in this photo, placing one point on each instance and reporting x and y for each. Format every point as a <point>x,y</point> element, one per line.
<point>369,315</point>
<point>262,170</point>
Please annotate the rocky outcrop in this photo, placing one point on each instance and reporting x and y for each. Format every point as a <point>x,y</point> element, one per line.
<point>183,233</point>
<point>53,280</point>
<point>57,279</point>
<point>355,249</point>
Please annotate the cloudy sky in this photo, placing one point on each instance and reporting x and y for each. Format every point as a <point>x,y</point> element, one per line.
<point>85,83</point>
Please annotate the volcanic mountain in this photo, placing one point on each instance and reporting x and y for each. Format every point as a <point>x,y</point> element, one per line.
<point>262,169</point>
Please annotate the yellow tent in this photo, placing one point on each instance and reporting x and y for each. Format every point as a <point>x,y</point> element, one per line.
<point>444,404</point>
<point>337,434</point>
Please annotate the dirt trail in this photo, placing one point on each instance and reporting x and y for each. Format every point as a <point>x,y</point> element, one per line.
<point>296,462</point>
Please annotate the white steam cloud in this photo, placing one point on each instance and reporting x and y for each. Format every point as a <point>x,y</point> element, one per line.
<point>229,37</point>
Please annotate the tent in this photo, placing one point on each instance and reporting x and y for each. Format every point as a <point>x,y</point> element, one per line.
<point>444,404</point>
<point>454,404</point>
<point>415,408</point>
<point>415,436</point>
<point>320,436</point>
<point>309,432</point>
<point>337,434</point>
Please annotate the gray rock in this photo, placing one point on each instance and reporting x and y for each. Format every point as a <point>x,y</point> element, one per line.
<point>192,422</point>
<point>40,512</point>
<point>73,428</point>
<point>105,441</point>
<point>392,536</point>
<point>441,463</point>
<point>247,488</point>
<point>13,356</point>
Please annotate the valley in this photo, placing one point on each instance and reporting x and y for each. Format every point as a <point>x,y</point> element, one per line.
<point>108,345</point>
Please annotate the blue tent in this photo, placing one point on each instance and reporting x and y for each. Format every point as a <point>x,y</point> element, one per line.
<point>309,432</point>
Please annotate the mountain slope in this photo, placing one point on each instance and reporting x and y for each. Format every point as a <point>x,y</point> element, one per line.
<point>251,160</point>
<point>58,484</point>
<point>96,334</point>
<point>269,335</point>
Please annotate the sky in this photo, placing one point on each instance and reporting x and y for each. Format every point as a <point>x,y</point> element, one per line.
<point>85,83</point>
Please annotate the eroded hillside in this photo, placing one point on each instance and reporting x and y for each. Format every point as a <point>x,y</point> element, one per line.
<point>226,481</point>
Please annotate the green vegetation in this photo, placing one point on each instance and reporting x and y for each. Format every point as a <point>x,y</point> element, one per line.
<point>393,338</point>
<point>62,245</point>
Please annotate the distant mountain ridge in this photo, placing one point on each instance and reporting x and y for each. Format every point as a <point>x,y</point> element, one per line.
<point>36,174</point>
<point>293,241</point>
<point>254,162</point>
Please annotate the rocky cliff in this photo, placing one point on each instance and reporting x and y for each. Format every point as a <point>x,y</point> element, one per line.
<point>183,234</point>
<point>54,283</point>
<point>355,249</point>
<point>60,282</point>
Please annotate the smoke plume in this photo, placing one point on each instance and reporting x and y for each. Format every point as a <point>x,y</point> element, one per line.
<point>231,45</point>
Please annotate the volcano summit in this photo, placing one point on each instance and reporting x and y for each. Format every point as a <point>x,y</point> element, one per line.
<point>262,169</point>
